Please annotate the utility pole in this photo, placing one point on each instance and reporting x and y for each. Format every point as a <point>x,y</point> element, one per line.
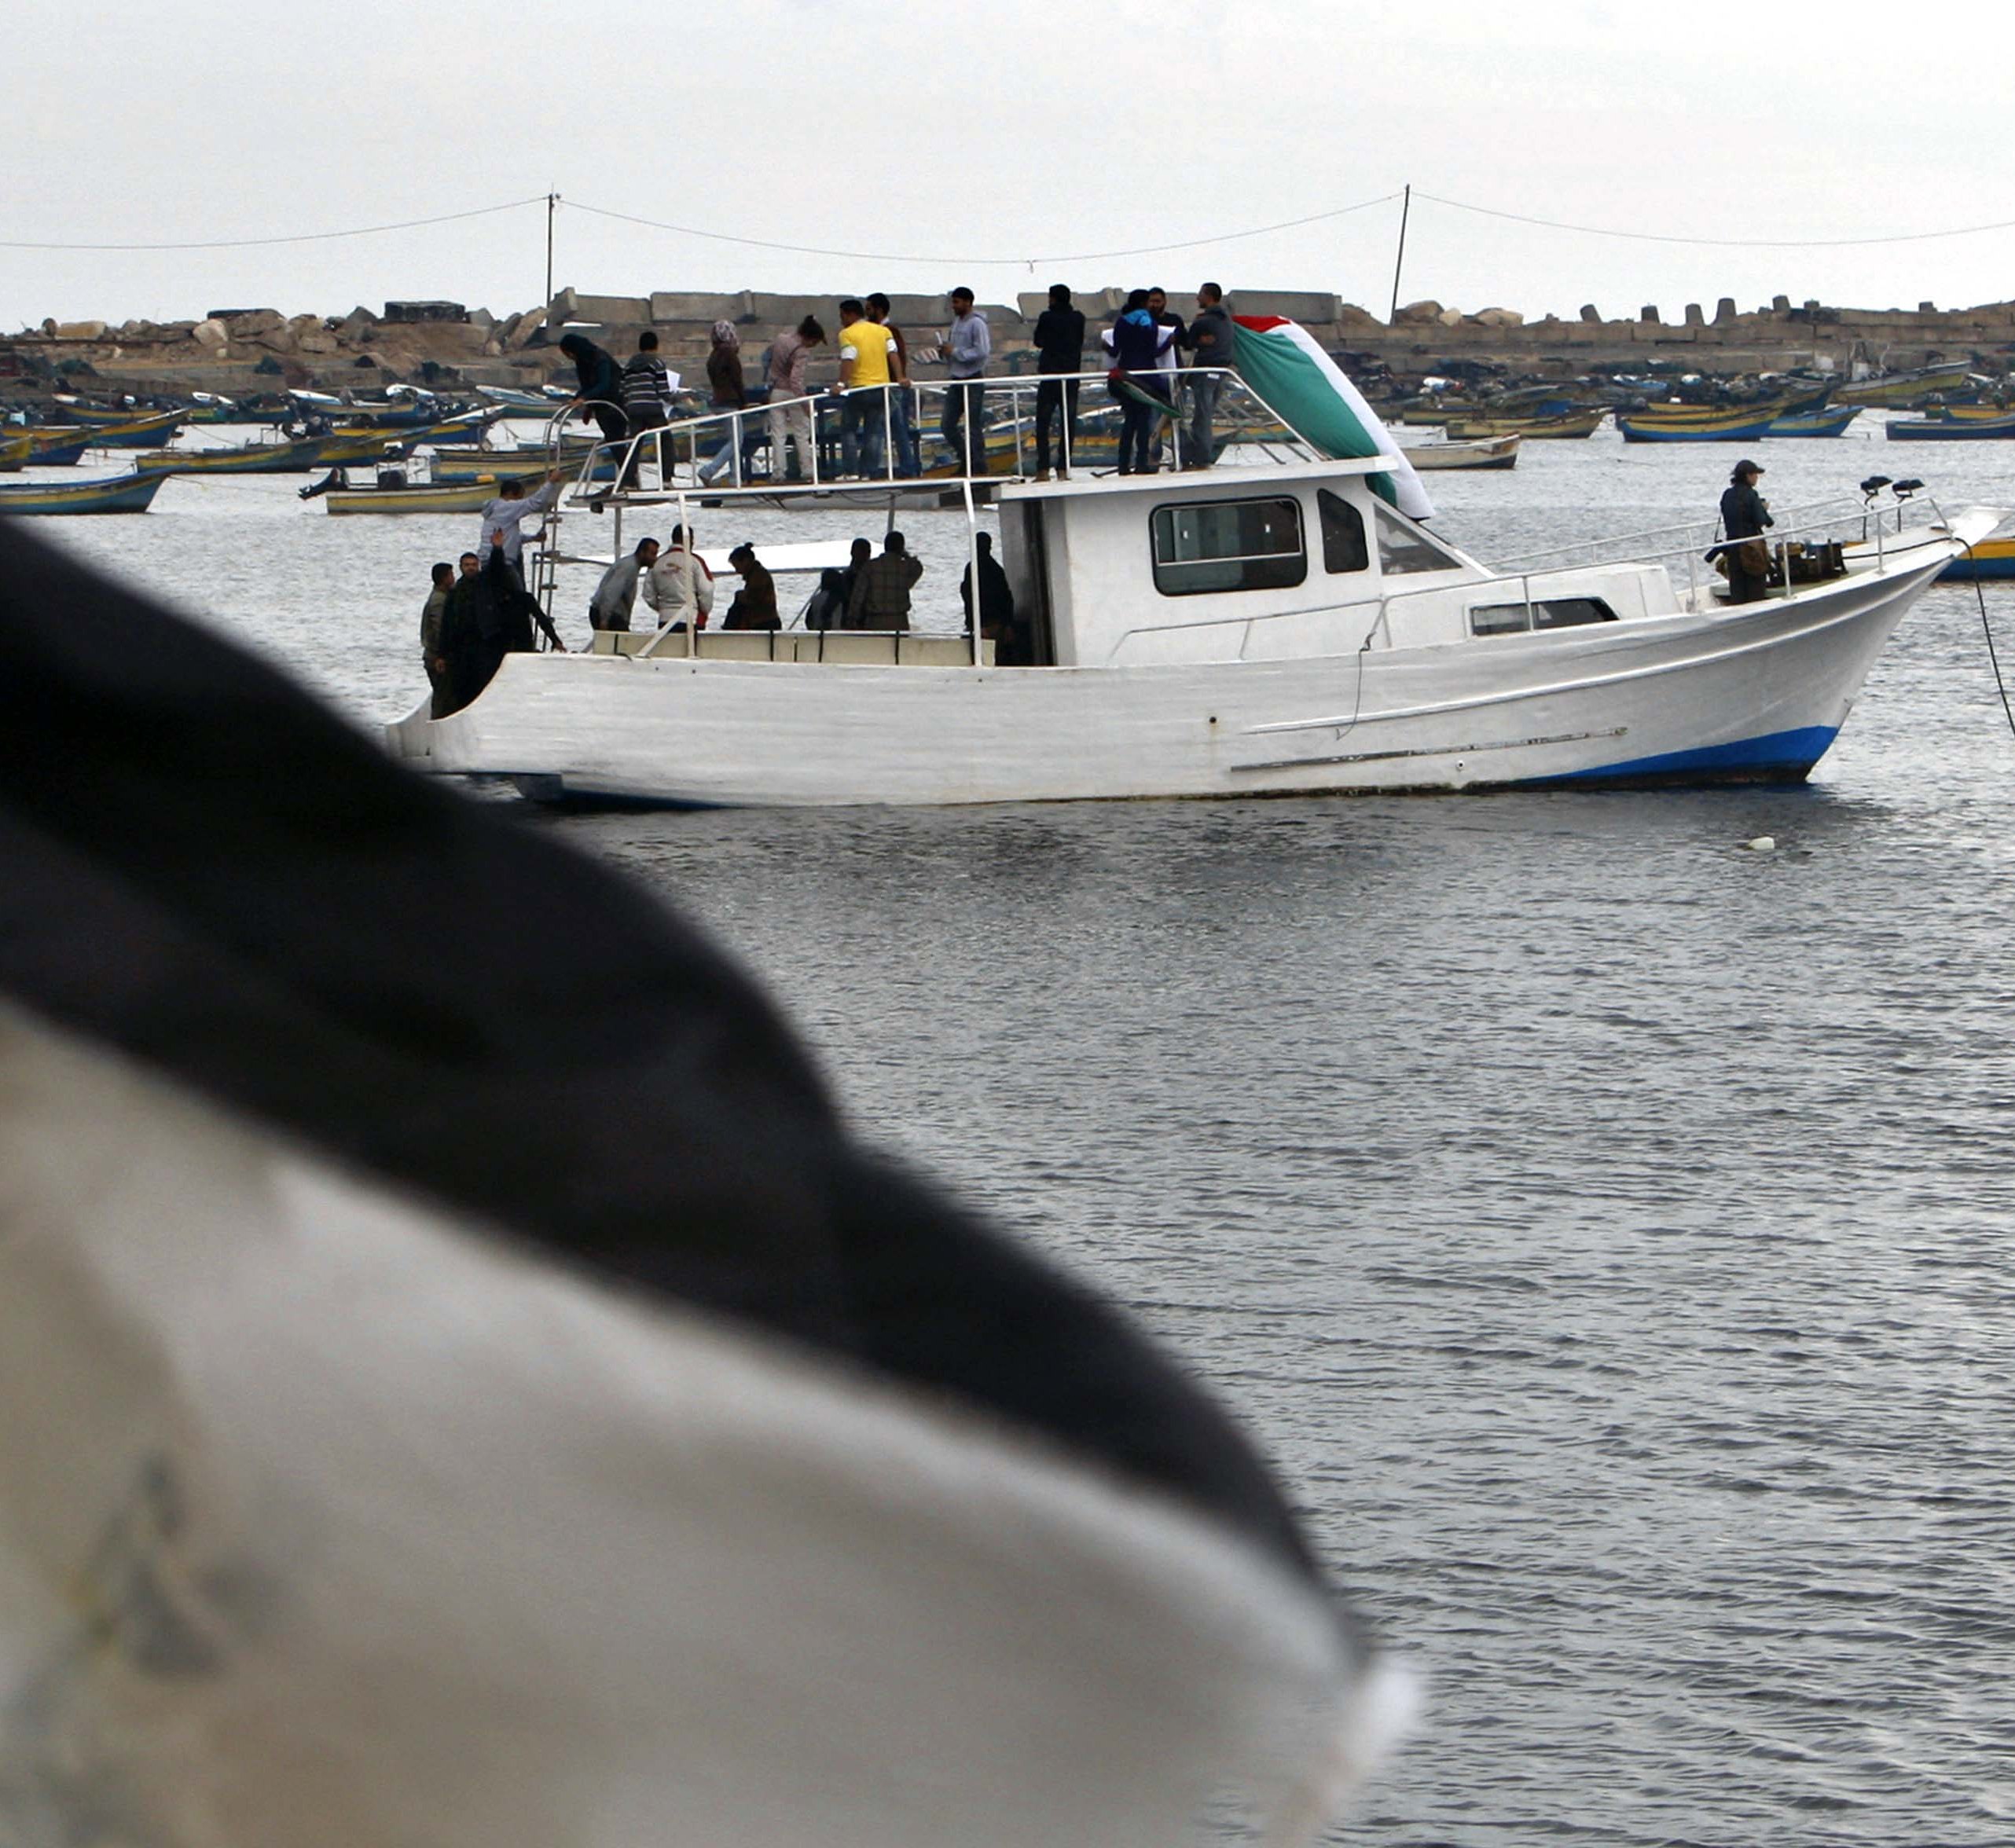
<point>1406,206</point>
<point>551,199</point>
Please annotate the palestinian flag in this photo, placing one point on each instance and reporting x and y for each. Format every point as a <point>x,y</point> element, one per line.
<point>1309,393</point>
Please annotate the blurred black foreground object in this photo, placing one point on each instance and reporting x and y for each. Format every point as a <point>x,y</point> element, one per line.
<point>249,910</point>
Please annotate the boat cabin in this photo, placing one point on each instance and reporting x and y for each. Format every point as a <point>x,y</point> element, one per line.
<point>1266,563</point>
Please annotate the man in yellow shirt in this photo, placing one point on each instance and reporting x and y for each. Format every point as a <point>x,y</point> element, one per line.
<point>867,367</point>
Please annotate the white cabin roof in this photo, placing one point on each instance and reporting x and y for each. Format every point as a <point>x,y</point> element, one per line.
<point>1225,475</point>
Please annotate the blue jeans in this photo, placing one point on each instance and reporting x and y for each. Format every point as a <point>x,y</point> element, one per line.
<point>902,422</point>
<point>1139,421</point>
<point>862,430</point>
<point>963,427</point>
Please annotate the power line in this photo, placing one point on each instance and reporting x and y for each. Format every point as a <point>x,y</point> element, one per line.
<point>298,237</point>
<point>811,250</point>
<point>1721,243</point>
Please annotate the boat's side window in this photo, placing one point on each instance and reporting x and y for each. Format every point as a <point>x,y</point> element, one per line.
<point>1401,549</point>
<point>1490,619</point>
<point>1227,545</point>
<point>1344,547</point>
<point>1569,612</point>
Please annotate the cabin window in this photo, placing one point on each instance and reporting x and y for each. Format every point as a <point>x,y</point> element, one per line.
<point>1490,619</point>
<point>1401,549</point>
<point>1569,612</point>
<point>1345,548</point>
<point>1227,545</point>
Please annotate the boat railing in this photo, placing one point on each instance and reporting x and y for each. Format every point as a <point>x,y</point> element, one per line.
<point>1532,586</point>
<point>869,435</point>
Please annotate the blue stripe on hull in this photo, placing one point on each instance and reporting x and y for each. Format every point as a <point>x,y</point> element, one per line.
<point>1782,756</point>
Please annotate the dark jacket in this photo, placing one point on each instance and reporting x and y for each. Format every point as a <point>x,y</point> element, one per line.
<point>1059,340</point>
<point>996,597</point>
<point>1212,338</point>
<point>1743,515</point>
<point>595,373</point>
<point>1136,341</point>
<point>754,605</point>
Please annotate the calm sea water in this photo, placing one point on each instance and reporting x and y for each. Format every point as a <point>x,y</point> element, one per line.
<point>1605,1227</point>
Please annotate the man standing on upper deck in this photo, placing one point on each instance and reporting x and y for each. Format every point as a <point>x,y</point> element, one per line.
<point>1213,340</point>
<point>1060,357</point>
<point>902,399</point>
<point>968,346</point>
<point>867,366</point>
<point>647,394</point>
<point>790,405</point>
<point>1167,360</point>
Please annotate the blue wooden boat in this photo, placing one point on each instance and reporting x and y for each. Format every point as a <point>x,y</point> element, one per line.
<point>1990,560</point>
<point>56,448</point>
<point>1830,422</point>
<point>115,494</point>
<point>145,432</point>
<point>1733,427</point>
<point>1952,429</point>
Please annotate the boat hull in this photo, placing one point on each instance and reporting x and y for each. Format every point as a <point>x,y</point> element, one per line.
<point>123,493</point>
<point>1991,561</point>
<point>1754,694</point>
<point>1955,430</point>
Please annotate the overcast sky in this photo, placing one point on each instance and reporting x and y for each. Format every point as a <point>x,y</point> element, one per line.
<point>938,136</point>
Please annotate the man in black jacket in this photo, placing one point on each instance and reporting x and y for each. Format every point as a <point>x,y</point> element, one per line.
<point>1059,356</point>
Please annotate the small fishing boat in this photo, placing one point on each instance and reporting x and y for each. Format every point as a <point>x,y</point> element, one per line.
<point>1579,423</point>
<point>1987,561</point>
<point>56,446</point>
<point>75,410</point>
<point>346,496</point>
<point>141,432</point>
<point>115,493</point>
<point>1901,391</point>
<point>1491,452</point>
<point>1952,429</point>
<point>509,399</point>
<point>1827,423</point>
<point>1744,426</point>
<point>295,457</point>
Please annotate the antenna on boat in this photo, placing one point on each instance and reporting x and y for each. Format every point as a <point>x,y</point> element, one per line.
<point>1406,206</point>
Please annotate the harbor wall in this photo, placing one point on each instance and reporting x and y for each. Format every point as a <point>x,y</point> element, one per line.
<point>237,351</point>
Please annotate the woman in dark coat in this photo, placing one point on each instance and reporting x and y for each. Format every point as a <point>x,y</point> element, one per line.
<point>1744,513</point>
<point>598,383</point>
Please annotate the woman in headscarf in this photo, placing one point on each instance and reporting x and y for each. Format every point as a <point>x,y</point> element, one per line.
<point>598,391</point>
<point>1744,513</point>
<point>724,377</point>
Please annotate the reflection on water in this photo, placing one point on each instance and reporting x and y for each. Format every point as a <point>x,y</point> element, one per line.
<point>1604,1226</point>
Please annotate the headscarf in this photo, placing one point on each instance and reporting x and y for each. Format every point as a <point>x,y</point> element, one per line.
<point>725,334</point>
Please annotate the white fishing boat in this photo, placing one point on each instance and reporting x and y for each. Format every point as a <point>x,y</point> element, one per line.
<point>1483,452</point>
<point>1274,625</point>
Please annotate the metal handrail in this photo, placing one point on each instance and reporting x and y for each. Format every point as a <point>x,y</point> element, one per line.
<point>1525,581</point>
<point>636,449</point>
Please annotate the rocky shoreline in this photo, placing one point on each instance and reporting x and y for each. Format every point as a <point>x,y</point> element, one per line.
<point>240,352</point>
